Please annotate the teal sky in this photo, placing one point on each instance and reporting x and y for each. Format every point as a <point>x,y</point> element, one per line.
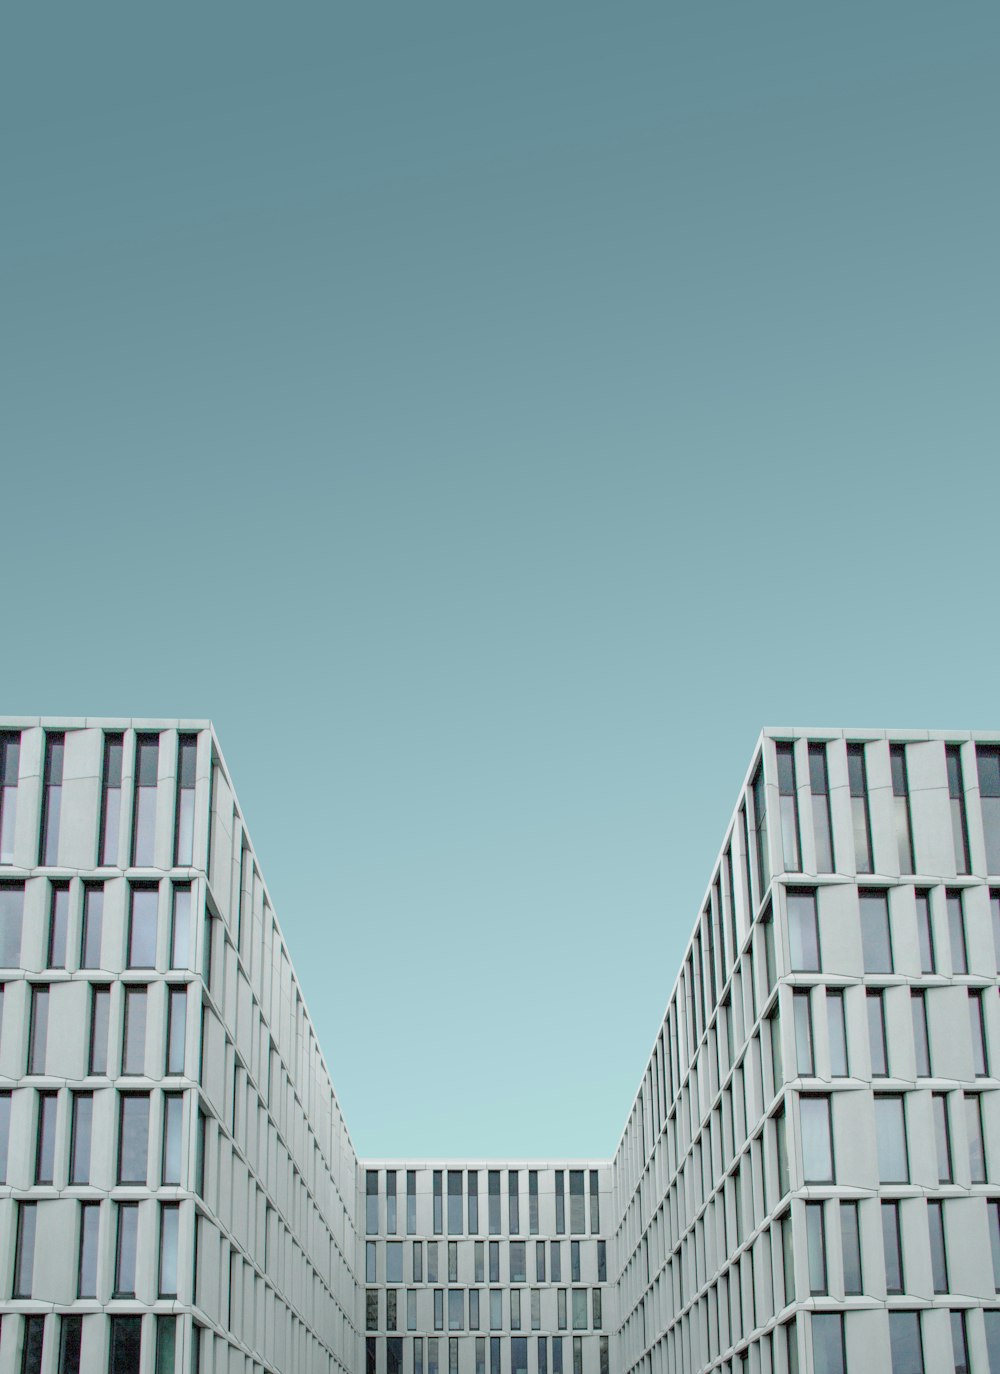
<point>492,417</point>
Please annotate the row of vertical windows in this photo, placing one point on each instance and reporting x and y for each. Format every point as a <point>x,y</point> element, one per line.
<point>463,1201</point>
<point>507,1355</point>
<point>144,800</point>
<point>548,1260</point>
<point>124,1344</point>
<point>460,1300</point>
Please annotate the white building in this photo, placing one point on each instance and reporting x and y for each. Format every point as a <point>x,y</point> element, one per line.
<point>809,1177</point>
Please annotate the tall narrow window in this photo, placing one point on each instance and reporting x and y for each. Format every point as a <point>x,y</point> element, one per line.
<point>371,1201</point>
<point>147,754</point>
<point>169,1232</point>
<point>978,1027</point>
<point>858,785</point>
<point>925,932</point>
<point>93,925</point>
<point>83,1118</point>
<point>513,1206</point>
<point>921,1040</point>
<point>828,1343</point>
<point>956,797</point>
<point>90,1222</point>
<point>125,1345</point>
<point>959,1342</point>
<point>817,1139</point>
<point>10,756</point>
<point>55,747</point>
<point>24,1249</point>
<point>437,1202</point>
<point>142,926</point>
<point>876,941</point>
<point>560,1203</point>
<point>472,1187</point>
<point>890,1135</point>
<point>411,1204</point>
<point>45,1140</point>
<point>134,1049</point>
<point>11,918</point>
<point>988,767</point>
<point>577,1203</point>
<point>876,1034</point>
<point>956,932</point>
<point>803,1034</point>
<point>38,1032</point>
<point>176,1028</point>
<point>58,924</point>
<point>390,1204</point>
<point>850,1245</point>
<point>111,800</point>
<point>187,752</point>
<point>974,1131</point>
<point>788,804</point>
<point>166,1344</point>
<point>454,1202</point>
<point>33,1346</point>
<point>4,1134</point>
<point>901,807</point>
<point>905,1343</point>
<point>173,1115</point>
<point>180,927</point>
<point>533,1202</point>
<point>595,1203</point>
<point>816,1247</point>
<point>759,794</point>
<point>602,1261</point>
<point>995,921</point>
<point>125,1250</point>
<point>133,1138</point>
<point>803,931</point>
<point>819,786</point>
<point>892,1247</point>
<point>100,1009</point>
<point>939,1255</point>
<point>494,1201</point>
<point>942,1137</point>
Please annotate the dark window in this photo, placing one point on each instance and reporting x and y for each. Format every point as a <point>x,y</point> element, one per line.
<point>58,924</point>
<point>956,797</point>
<point>850,1245</point>
<point>187,753</point>
<point>533,1202</point>
<point>473,1200</point>
<point>93,923</point>
<point>55,746</point>
<point>31,1350</point>
<point>921,1040</point>
<point>819,786</point>
<point>801,1015</point>
<point>100,1008</point>
<point>876,1035</point>
<point>555,1260</point>
<point>978,1028</point>
<point>518,1266</point>
<point>788,805</point>
<point>24,1249</point>
<point>45,1140</point>
<point>942,1134</point>
<point>83,1116</point>
<point>901,807</point>
<point>974,1131</point>
<point>858,784</point>
<point>892,1246</point>
<point>560,1203</point>
<point>925,932</point>
<point>125,1345</point>
<point>176,1027</point>
<point>10,755</point>
<point>38,1033</point>
<point>90,1222</point>
<point>111,800</point>
<point>454,1202</point>
<point>438,1219</point>
<point>602,1261</point>
<point>759,796</point>
<point>577,1203</point>
<point>939,1256</point>
<point>70,1334</point>
<point>147,753</point>
<point>411,1202</point>
<point>390,1201</point>
<point>513,1207</point>
<point>956,933</point>
<point>166,1344</point>
<point>816,1246</point>
<point>494,1201</point>
<point>988,767</point>
<point>595,1203</point>
<point>959,1343</point>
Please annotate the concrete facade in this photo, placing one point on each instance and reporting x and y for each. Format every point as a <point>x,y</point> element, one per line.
<point>808,1179</point>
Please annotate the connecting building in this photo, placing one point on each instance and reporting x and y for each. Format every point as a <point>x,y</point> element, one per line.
<point>808,1181</point>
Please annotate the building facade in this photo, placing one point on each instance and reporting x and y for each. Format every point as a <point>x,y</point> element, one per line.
<point>808,1179</point>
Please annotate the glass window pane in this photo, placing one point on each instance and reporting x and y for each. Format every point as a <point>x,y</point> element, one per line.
<point>875,940</point>
<point>817,1143</point>
<point>905,1342</point>
<point>803,934</point>
<point>890,1132</point>
<point>828,1343</point>
<point>11,915</point>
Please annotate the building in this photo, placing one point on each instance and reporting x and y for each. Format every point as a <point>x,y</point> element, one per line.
<point>808,1179</point>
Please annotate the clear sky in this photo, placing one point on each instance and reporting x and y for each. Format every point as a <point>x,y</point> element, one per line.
<point>491,416</point>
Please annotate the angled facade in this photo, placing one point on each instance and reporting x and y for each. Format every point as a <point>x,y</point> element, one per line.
<point>808,1179</point>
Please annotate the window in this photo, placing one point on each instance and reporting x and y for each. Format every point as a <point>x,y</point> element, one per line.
<point>494,1261</point>
<point>758,793</point>
<point>518,1266</point>
<point>560,1203</point>
<point>819,786</point>
<point>58,924</point>
<point>391,1318</point>
<point>169,1231</point>
<point>959,1343</point>
<point>788,807</point>
<point>574,1261</point>
<point>455,1202</point>
<point>371,1309</point>
<point>24,1249</point>
<point>978,1027</point>
<point>579,1309</point>
<point>577,1204</point>
<point>974,1131</point>
<point>816,1246</point>
<point>4,1134</point>
<point>939,1257</point>
<point>10,756</point>
<point>125,1345</point>
<point>803,933</point>
<point>133,1137</point>
<point>142,926</point>
<point>994,1225</point>
<point>147,753</point>
<point>494,1201</point>
<point>45,1138</point>
<point>956,794</point>
<point>988,767</point>
<point>533,1202</point>
<point>432,1261</point>
<point>55,746</point>
<point>876,1034</point>
<point>371,1201</point>
<point>166,1344</point>
<point>921,1041</point>
<point>828,1343</point>
<point>79,1150</point>
<point>956,933</point>
<point>93,922</point>
<point>496,1309</point>
<point>595,1203</point>
<point>942,1134</point>
<point>187,753</point>
<point>393,1261</point>
<point>176,1027</point>
<point>70,1340</point>
<point>519,1355</point>
<point>513,1208</point>
<point>39,1028</point>
<point>850,1245</point>
<point>602,1262</point>
<point>437,1202</point>
<point>90,1220</point>
<point>991,1320</point>
<point>555,1261</point>
<point>539,1261</point>
<point>890,1134</point>
<point>472,1189</point>
<point>515,1309</point>
<point>180,927</point>
<point>901,807</point>
<point>817,1139</point>
<point>905,1343</point>
<point>418,1262</point>
<point>100,1009</point>
<point>925,933</point>
<point>411,1202</point>
<point>561,1309</point>
<point>11,915</point>
<point>858,786</point>
<point>876,942</point>
<point>892,1247</point>
<point>111,800</point>
<point>453,1261</point>
<point>32,1349</point>
<point>134,1050</point>
<point>411,1301</point>
<point>995,919</point>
